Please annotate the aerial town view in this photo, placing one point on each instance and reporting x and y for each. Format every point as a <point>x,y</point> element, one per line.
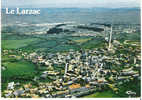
<point>71,51</point>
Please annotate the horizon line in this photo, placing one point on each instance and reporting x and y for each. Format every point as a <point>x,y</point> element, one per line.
<point>76,7</point>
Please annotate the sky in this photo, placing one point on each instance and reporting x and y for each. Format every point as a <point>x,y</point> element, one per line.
<point>71,3</point>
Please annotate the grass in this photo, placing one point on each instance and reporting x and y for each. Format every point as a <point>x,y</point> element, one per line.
<point>133,42</point>
<point>15,44</point>
<point>127,36</point>
<point>82,40</point>
<point>17,68</point>
<point>18,71</point>
<point>105,94</point>
<point>6,58</point>
<point>64,48</point>
<point>96,42</point>
<point>41,45</point>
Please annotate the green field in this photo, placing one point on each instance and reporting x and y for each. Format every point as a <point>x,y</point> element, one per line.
<point>105,94</point>
<point>17,68</point>
<point>94,43</point>
<point>15,44</point>
<point>18,71</point>
<point>81,40</point>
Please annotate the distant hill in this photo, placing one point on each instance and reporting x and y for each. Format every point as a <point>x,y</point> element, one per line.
<point>79,15</point>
